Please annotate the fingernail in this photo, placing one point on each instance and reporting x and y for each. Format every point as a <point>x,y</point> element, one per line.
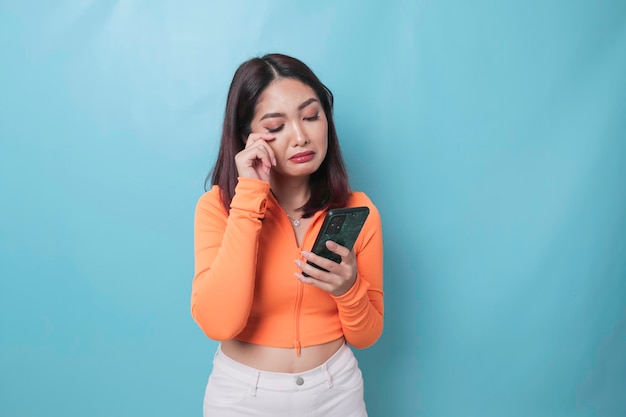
<point>298,262</point>
<point>274,161</point>
<point>306,254</point>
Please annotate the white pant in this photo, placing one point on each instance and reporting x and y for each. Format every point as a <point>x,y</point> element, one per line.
<point>334,388</point>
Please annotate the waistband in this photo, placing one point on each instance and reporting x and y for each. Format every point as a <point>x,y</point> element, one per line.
<point>278,381</point>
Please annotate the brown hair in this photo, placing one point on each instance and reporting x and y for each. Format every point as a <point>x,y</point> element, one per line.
<point>329,184</point>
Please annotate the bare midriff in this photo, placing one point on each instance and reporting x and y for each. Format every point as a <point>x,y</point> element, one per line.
<point>283,360</point>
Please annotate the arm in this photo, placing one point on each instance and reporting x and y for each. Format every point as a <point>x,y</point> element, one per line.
<point>225,247</point>
<point>361,308</point>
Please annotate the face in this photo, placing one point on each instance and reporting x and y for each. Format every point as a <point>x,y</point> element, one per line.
<point>291,111</point>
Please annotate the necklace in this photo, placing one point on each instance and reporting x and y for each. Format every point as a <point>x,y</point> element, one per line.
<point>295,222</point>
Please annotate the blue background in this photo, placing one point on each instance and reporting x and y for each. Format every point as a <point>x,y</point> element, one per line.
<point>491,135</point>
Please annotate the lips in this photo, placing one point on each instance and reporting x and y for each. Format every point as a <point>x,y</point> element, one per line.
<point>302,157</point>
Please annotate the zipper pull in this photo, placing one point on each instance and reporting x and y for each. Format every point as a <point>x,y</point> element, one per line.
<point>298,348</point>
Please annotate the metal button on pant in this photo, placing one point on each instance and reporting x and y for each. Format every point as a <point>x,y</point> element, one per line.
<point>299,380</point>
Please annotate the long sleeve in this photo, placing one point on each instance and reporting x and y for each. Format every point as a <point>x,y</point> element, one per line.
<point>225,248</point>
<point>361,309</point>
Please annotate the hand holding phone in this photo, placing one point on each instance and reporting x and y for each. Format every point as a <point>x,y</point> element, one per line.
<point>341,226</point>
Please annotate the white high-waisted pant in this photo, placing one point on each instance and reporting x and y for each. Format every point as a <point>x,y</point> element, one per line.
<point>334,388</point>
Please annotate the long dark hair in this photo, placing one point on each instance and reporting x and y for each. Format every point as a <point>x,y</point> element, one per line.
<point>329,184</point>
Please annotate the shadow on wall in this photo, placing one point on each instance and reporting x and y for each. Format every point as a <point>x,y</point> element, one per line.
<point>393,360</point>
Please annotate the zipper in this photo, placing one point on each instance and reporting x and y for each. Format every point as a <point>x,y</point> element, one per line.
<point>296,318</point>
<point>300,288</point>
<point>299,296</point>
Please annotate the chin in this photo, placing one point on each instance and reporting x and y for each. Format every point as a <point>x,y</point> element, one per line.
<point>297,173</point>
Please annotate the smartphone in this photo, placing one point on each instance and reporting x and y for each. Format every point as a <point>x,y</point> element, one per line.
<point>342,226</point>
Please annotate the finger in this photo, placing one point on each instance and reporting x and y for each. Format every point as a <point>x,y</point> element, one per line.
<point>253,163</point>
<point>328,282</point>
<point>256,140</point>
<point>255,158</point>
<point>327,264</point>
<point>268,137</point>
<point>310,280</point>
<point>338,249</point>
<point>254,137</point>
<point>309,270</point>
<point>264,153</point>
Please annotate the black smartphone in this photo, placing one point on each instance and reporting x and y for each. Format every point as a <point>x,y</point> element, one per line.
<point>342,226</point>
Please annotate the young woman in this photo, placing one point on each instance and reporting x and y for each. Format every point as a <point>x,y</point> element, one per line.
<point>284,335</point>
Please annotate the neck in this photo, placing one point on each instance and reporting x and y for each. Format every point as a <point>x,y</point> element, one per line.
<point>291,193</point>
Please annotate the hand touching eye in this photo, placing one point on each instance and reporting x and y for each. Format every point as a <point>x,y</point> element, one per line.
<point>257,158</point>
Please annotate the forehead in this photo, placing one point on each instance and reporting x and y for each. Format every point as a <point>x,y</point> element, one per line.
<point>283,95</point>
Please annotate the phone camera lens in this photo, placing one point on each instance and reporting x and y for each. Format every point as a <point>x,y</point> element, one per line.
<point>335,224</point>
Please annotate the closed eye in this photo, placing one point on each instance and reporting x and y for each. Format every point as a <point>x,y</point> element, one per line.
<point>312,118</point>
<point>276,129</point>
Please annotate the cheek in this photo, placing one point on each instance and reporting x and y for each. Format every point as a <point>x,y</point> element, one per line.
<point>321,133</point>
<point>324,147</point>
<point>278,144</point>
<point>325,138</point>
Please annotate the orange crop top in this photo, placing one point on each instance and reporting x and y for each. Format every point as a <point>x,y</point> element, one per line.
<point>244,286</point>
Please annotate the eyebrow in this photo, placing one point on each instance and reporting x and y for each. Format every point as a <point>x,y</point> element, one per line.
<point>300,107</point>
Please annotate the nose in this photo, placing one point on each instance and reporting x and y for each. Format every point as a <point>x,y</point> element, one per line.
<point>300,137</point>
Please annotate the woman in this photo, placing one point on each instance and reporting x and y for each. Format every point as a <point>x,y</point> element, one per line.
<point>283,335</point>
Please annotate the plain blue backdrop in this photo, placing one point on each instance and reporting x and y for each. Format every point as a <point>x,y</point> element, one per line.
<point>491,135</point>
